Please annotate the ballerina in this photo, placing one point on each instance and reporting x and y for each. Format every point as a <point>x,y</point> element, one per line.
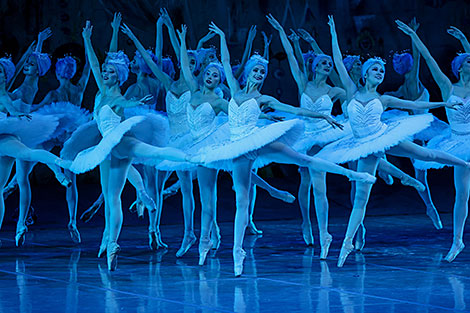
<point>456,142</point>
<point>115,151</point>
<point>249,146</point>
<point>371,137</point>
<point>18,133</point>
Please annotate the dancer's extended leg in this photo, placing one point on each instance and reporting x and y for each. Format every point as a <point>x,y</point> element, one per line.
<point>104,178</point>
<point>321,209</point>
<point>304,203</point>
<point>431,210</point>
<point>6,163</point>
<point>71,196</point>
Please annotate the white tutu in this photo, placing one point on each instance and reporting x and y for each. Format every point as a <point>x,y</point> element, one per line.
<point>154,130</point>
<point>30,132</point>
<point>86,136</point>
<point>70,117</point>
<point>370,135</point>
<point>112,130</point>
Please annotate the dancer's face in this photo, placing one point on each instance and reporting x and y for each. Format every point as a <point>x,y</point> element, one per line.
<point>375,74</point>
<point>212,77</point>
<point>134,66</point>
<point>465,68</point>
<point>109,74</point>
<point>257,74</point>
<point>31,67</point>
<point>324,67</point>
<point>192,63</point>
<point>210,57</point>
<point>3,76</point>
<point>356,68</point>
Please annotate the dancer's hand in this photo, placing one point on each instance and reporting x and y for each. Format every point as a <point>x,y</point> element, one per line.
<point>275,24</point>
<point>145,100</point>
<point>116,21</point>
<point>331,23</point>
<point>405,28</point>
<point>127,31</point>
<point>275,118</point>
<point>293,36</point>
<point>42,36</point>
<point>182,33</point>
<point>453,105</point>
<point>267,40</point>
<point>20,116</point>
<point>455,32</point>
<point>305,35</point>
<point>333,122</point>
<point>252,33</point>
<point>213,28</point>
<point>414,24</point>
<point>207,37</point>
<point>165,17</point>
<point>87,30</point>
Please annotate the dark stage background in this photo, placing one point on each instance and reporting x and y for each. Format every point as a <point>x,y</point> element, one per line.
<point>364,27</point>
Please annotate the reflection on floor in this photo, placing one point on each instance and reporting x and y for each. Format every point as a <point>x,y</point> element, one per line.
<point>400,270</point>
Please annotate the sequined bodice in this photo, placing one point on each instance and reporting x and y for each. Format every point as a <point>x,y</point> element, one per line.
<point>201,120</point>
<point>365,117</point>
<point>242,118</point>
<point>323,105</point>
<point>459,119</point>
<point>176,108</point>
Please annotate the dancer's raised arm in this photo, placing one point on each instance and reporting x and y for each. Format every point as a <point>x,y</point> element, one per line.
<point>90,53</point>
<point>225,58</point>
<point>161,76</point>
<point>267,43</point>
<point>85,76</point>
<point>20,64</point>
<point>159,40</point>
<point>203,40</point>
<point>191,81</point>
<point>457,33</point>
<point>115,24</point>
<point>300,77</point>
<point>295,38</point>
<point>346,80</point>
<point>171,32</point>
<point>412,78</point>
<point>247,51</point>
<point>442,80</point>
<point>42,36</point>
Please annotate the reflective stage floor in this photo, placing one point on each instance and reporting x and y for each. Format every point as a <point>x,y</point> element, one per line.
<point>400,270</point>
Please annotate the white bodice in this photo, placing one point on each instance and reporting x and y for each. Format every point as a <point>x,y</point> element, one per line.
<point>459,118</point>
<point>242,118</point>
<point>322,105</point>
<point>176,108</point>
<point>107,120</point>
<point>201,120</point>
<point>365,117</point>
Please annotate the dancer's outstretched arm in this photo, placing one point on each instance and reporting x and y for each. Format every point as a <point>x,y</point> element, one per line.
<point>90,53</point>
<point>203,40</point>
<point>225,58</point>
<point>42,36</point>
<point>457,33</point>
<point>115,24</point>
<point>346,80</point>
<point>412,78</point>
<point>20,64</point>
<point>300,77</point>
<point>191,81</point>
<point>171,31</point>
<point>397,103</point>
<point>159,40</point>
<point>161,76</point>
<point>267,43</point>
<point>297,50</point>
<point>442,80</point>
<point>247,51</point>
<point>83,82</point>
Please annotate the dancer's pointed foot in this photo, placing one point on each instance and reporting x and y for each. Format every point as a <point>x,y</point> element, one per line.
<point>171,191</point>
<point>361,177</point>
<point>188,240</point>
<point>155,241</point>
<point>111,254</point>
<point>74,234</point>
<point>412,182</point>
<point>387,178</point>
<point>238,258</point>
<point>215,237</point>
<point>360,238</point>
<point>454,251</point>
<point>205,246</point>
<point>282,195</point>
<point>9,190</point>
<point>63,180</point>
<point>147,201</point>
<point>307,233</point>
<point>88,214</point>
<point>252,230</point>
<point>103,245</point>
<point>325,242</point>
<point>20,235</point>
<point>346,249</point>
<point>434,216</point>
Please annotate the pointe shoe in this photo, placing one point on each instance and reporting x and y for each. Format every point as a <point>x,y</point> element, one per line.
<point>238,258</point>
<point>325,242</point>
<point>111,254</point>
<point>74,234</point>
<point>9,190</point>
<point>434,216</point>
<point>155,241</point>
<point>307,234</point>
<point>88,214</point>
<point>205,246</point>
<point>252,230</point>
<point>360,238</point>
<point>346,249</point>
<point>283,195</point>
<point>168,192</point>
<point>215,237</point>
<point>147,202</point>
<point>160,242</point>
<point>63,180</point>
<point>103,245</point>
<point>412,182</point>
<point>387,178</point>
<point>363,177</point>
<point>20,236</point>
<point>454,251</point>
<point>188,240</point>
